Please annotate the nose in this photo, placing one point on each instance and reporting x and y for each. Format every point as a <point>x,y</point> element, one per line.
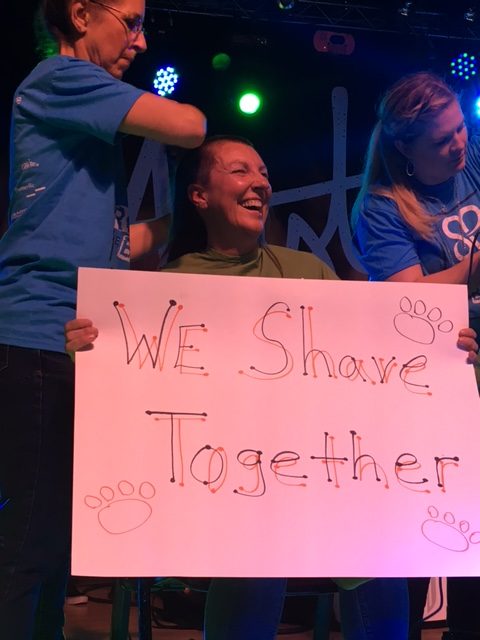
<point>140,42</point>
<point>261,183</point>
<point>459,141</point>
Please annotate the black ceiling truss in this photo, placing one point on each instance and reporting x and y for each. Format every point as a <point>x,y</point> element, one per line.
<point>433,18</point>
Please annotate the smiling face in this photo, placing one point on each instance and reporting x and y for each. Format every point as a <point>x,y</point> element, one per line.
<point>112,36</point>
<point>232,197</point>
<point>440,151</point>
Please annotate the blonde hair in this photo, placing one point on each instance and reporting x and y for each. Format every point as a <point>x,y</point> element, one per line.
<point>404,112</point>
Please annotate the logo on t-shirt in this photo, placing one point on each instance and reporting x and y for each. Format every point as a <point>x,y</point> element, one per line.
<point>121,240</point>
<point>460,228</point>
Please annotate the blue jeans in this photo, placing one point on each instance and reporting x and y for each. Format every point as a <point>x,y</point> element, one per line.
<point>239,608</point>
<point>36,434</point>
<point>375,610</point>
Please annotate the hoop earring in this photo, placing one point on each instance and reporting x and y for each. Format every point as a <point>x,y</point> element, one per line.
<point>409,169</point>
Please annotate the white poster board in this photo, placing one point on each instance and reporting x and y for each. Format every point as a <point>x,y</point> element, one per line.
<point>230,426</point>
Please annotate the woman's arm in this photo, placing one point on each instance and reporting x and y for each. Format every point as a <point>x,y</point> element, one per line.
<point>458,274</point>
<point>147,235</point>
<point>166,121</point>
<point>389,249</point>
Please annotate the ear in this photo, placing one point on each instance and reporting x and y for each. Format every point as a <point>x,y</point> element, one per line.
<point>197,196</point>
<point>79,16</point>
<point>403,148</point>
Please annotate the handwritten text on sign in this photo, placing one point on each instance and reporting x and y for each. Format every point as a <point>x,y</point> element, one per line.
<point>261,427</point>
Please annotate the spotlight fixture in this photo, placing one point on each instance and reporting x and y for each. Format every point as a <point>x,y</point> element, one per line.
<point>469,15</point>
<point>329,42</point>
<point>221,61</point>
<point>464,67</point>
<point>406,9</point>
<point>165,81</point>
<point>285,5</point>
<point>249,103</point>
<point>476,108</point>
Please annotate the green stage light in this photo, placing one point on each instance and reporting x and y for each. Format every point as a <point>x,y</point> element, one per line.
<point>249,103</point>
<point>221,61</point>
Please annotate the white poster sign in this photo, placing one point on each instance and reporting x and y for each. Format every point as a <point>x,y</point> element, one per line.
<point>230,426</point>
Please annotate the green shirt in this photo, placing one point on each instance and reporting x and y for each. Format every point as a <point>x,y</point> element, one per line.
<point>268,261</point>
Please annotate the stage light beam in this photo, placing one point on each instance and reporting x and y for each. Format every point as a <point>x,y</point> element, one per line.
<point>221,61</point>
<point>464,67</point>
<point>249,103</point>
<point>476,108</point>
<point>165,80</point>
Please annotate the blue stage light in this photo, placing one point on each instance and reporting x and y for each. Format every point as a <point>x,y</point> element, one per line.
<point>464,66</point>
<point>165,81</point>
<point>476,108</point>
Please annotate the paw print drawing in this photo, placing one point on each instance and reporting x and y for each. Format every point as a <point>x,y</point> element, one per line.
<point>123,509</point>
<point>446,533</point>
<point>415,323</point>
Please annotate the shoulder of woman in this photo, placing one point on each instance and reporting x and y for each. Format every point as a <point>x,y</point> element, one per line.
<point>379,200</point>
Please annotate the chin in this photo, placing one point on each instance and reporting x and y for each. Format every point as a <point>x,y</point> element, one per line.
<point>115,70</point>
<point>459,166</point>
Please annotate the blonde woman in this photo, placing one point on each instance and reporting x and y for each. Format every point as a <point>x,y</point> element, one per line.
<point>417,219</point>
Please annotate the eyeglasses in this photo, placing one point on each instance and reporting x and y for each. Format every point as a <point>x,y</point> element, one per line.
<point>134,26</point>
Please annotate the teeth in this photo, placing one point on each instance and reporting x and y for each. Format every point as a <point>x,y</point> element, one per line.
<point>252,204</point>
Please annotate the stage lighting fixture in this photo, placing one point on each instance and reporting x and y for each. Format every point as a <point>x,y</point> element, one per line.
<point>338,43</point>
<point>249,103</point>
<point>405,9</point>
<point>285,5</point>
<point>165,81</point>
<point>464,66</point>
<point>221,61</point>
<point>476,108</point>
<point>470,15</point>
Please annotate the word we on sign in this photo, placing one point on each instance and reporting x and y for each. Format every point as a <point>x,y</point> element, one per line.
<point>230,426</point>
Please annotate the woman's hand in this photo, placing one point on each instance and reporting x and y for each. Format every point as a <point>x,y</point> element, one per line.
<point>79,336</point>
<point>466,341</point>
<point>474,276</point>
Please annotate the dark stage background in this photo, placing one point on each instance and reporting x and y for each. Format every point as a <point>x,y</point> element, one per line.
<point>272,50</point>
<point>319,107</point>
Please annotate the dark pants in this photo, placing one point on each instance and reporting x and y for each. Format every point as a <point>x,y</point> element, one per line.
<point>376,610</point>
<point>36,433</point>
<point>239,608</point>
<point>417,592</point>
<point>463,607</point>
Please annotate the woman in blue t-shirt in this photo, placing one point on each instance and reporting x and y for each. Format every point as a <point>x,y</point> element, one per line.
<point>68,208</point>
<point>417,219</point>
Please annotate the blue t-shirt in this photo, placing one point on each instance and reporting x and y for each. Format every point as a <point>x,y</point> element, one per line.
<point>387,244</point>
<point>68,204</point>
